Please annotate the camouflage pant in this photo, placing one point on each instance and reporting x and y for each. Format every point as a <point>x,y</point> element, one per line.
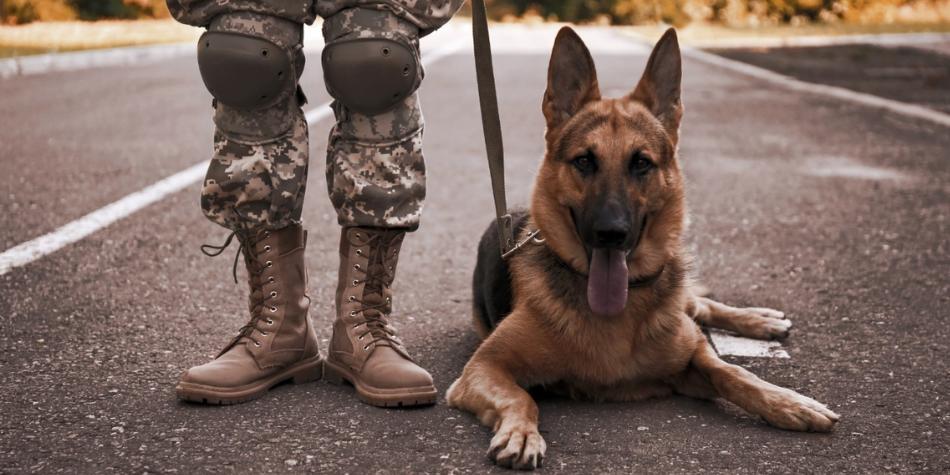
<point>375,169</point>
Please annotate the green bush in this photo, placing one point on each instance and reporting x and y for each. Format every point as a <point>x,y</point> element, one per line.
<point>96,9</point>
<point>25,11</point>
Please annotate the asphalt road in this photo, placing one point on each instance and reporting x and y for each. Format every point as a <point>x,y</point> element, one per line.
<point>908,74</point>
<point>833,212</point>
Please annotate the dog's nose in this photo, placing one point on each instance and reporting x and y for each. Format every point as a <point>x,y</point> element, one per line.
<point>610,237</point>
<point>611,225</point>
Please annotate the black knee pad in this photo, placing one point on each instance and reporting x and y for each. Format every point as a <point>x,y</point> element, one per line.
<point>370,75</point>
<point>244,72</point>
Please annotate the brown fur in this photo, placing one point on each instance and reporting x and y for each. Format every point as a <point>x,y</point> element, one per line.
<point>656,347</point>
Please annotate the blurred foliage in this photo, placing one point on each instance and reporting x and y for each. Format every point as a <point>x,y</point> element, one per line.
<point>624,12</point>
<point>728,12</point>
<point>26,11</point>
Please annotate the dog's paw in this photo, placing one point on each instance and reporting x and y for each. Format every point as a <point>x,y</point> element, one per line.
<point>764,324</point>
<point>789,410</point>
<point>518,446</point>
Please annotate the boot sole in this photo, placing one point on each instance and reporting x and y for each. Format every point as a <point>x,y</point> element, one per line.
<point>402,397</point>
<point>302,372</point>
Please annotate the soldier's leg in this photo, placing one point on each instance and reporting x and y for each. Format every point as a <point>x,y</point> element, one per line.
<point>376,180</point>
<point>255,187</point>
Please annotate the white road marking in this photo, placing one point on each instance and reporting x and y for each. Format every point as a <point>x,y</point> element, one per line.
<point>31,250</point>
<point>76,60</point>
<point>730,345</point>
<point>53,241</point>
<point>910,110</point>
<point>887,39</point>
<point>848,168</point>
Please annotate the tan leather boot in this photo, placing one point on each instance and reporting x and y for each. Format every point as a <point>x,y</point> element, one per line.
<point>278,343</point>
<point>365,350</point>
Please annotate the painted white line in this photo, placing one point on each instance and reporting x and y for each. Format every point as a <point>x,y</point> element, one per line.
<point>53,241</point>
<point>909,110</point>
<point>843,167</point>
<point>887,39</point>
<point>102,217</point>
<point>731,345</point>
<point>72,61</point>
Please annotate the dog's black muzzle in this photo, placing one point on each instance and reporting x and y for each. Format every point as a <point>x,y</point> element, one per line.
<point>609,224</point>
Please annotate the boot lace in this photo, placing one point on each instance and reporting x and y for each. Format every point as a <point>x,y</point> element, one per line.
<point>257,298</point>
<point>377,277</point>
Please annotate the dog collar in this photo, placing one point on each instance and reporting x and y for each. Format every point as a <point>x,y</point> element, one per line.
<point>640,282</point>
<point>533,236</point>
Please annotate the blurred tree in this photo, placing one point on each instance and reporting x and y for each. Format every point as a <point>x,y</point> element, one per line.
<point>674,12</point>
<point>25,11</point>
<point>95,9</point>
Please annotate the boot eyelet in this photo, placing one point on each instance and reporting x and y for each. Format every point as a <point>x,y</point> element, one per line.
<point>353,313</point>
<point>273,309</point>
<point>266,248</point>
<point>263,333</point>
<point>355,283</point>
<point>269,264</point>
<point>359,235</point>
<point>257,344</point>
<point>270,279</point>
<point>266,233</point>
<point>356,266</point>
<point>359,252</point>
<point>360,338</point>
<point>273,293</point>
<point>352,298</point>
<point>269,321</point>
<point>365,347</point>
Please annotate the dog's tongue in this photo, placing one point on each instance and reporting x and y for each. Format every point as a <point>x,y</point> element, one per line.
<point>607,282</point>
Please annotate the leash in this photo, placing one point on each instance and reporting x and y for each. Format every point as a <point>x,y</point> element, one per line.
<point>491,128</point>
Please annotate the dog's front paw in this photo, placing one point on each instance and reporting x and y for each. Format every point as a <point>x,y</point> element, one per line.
<point>518,446</point>
<point>764,324</point>
<point>789,410</point>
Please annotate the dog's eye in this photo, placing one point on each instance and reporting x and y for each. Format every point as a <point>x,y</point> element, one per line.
<point>640,164</point>
<point>586,164</point>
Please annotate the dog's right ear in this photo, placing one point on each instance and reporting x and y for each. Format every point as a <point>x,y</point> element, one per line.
<point>572,80</point>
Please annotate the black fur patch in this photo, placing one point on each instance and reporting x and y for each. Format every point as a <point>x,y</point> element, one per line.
<point>491,281</point>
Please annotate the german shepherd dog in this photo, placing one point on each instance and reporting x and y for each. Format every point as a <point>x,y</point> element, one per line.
<point>602,308</point>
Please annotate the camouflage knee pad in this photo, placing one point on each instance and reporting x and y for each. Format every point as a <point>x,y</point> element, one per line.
<point>265,123</point>
<point>375,168</point>
<point>258,173</point>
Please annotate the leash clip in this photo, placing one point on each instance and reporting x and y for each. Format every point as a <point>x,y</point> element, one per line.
<point>532,237</point>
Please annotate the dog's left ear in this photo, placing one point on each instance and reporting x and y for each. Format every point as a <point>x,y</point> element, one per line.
<point>659,88</point>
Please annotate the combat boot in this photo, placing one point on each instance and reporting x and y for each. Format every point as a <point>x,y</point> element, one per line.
<point>365,350</point>
<point>278,343</point>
